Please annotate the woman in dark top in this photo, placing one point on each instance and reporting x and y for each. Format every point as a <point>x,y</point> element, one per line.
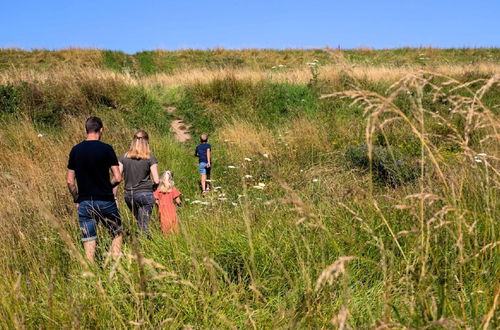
<point>140,172</point>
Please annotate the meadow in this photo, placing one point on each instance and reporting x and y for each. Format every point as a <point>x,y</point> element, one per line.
<point>353,189</point>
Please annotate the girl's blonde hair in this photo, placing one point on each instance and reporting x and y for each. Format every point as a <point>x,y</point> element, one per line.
<point>139,149</point>
<point>166,182</point>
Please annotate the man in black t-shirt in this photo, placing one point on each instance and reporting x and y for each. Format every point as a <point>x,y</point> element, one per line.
<point>90,162</point>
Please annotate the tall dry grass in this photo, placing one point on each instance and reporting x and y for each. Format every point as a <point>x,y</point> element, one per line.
<point>319,245</point>
<point>331,73</point>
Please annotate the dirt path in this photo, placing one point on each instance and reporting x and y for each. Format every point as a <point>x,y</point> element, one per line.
<point>178,127</point>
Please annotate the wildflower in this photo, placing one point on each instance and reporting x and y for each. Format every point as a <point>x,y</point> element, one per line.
<point>226,140</point>
<point>262,184</point>
<point>265,155</point>
<point>240,196</point>
<point>222,195</point>
<point>248,159</point>
<point>479,156</point>
<point>40,135</point>
<point>248,176</point>
<point>281,66</point>
<point>204,203</point>
<point>210,180</point>
<point>222,198</point>
<point>258,187</point>
<point>234,204</point>
<point>315,180</point>
<point>196,201</point>
<point>231,166</point>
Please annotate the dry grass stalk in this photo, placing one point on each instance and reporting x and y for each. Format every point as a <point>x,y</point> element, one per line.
<point>332,272</point>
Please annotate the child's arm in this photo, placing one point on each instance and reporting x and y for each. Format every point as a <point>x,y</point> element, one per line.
<point>196,152</point>
<point>209,156</point>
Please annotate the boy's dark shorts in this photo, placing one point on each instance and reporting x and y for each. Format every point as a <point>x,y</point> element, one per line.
<point>90,212</point>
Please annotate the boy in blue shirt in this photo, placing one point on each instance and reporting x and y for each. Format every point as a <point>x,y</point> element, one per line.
<point>204,153</point>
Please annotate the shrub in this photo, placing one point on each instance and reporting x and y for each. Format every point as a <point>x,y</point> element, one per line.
<point>389,166</point>
<point>9,99</point>
<point>116,60</point>
<point>277,102</point>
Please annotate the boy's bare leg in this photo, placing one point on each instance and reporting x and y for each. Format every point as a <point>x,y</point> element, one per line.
<point>116,246</point>
<point>89,248</point>
<point>203,182</point>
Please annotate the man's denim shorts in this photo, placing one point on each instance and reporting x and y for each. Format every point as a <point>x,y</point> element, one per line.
<point>91,212</point>
<point>203,168</point>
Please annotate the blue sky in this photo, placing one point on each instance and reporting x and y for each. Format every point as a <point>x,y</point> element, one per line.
<point>133,26</point>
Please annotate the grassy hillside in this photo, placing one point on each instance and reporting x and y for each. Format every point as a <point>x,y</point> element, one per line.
<point>162,61</point>
<point>379,208</point>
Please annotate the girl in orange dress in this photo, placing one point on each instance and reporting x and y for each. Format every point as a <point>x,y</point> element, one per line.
<point>165,196</point>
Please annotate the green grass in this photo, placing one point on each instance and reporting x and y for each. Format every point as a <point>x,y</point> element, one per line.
<point>425,251</point>
<point>149,62</point>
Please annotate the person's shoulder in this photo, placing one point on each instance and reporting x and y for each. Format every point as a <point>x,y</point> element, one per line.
<point>77,146</point>
<point>105,145</point>
<point>209,146</point>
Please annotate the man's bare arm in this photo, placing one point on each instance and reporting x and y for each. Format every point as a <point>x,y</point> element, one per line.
<point>117,176</point>
<point>115,188</point>
<point>70,180</point>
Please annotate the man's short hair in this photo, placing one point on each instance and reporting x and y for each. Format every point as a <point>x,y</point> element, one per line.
<point>204,138</point>
<point>93,125</point>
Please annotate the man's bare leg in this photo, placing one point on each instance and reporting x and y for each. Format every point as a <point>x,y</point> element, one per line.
<point>89,248</point>
<point>116,246</point>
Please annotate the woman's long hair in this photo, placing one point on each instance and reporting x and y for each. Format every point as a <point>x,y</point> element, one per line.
<point>166,182</point>
<point>139,148</point>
